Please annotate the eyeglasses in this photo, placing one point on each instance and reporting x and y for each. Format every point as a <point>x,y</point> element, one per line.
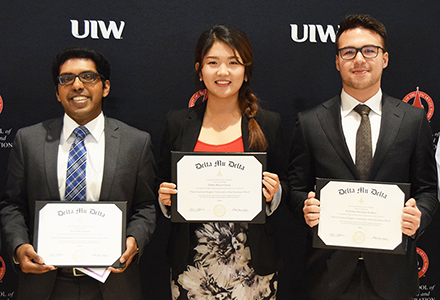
<point>85,77</point>
<point>369,51</point>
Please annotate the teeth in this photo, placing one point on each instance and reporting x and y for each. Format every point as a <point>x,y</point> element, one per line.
<point>79,98</point>
<point>222,82</point>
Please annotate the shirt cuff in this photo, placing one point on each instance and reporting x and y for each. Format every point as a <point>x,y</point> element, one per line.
<point>276,200</point>
<point>165,209</point>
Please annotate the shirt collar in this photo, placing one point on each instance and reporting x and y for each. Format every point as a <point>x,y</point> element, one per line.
<point>348,103</point>
<point>95,127</point>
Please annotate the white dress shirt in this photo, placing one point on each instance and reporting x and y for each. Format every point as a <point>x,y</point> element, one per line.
<point>437,160</point>
<point>95,145</point>
<point>351,119</point>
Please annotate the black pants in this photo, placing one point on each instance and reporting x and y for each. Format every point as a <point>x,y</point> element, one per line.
<point>76,288</point>
<point>360,287</point>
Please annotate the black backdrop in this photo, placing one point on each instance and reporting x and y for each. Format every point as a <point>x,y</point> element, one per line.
<point>151,52</point>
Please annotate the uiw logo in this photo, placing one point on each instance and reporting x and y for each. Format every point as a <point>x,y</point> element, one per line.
<point>309,33</point>
<point>91,28</point>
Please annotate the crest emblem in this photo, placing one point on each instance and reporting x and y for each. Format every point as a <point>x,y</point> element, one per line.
<point>418,96</point>
<point>422,262</point>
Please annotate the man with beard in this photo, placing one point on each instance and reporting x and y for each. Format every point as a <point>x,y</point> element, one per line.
<point>394,145</point>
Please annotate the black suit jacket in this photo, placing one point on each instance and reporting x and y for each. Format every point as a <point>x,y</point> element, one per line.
<point>404,153</point>
<point>129,174</point>
<point>181,134</point>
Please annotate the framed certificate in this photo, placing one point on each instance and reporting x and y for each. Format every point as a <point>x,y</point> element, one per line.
<point>218,187</point>
<point>359,215</point>
<point>80,233</point>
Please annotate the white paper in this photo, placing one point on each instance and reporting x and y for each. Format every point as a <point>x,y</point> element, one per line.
<point>219,188</point>
<point>75,234</point>
<point>100,274</point>
<point>365,215</point>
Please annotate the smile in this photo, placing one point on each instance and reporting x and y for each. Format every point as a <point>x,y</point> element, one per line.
<point>79,98</point>
<point>222,82</point>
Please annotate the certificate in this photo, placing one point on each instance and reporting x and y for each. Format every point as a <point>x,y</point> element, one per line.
<point>218,187</point>
<point>80,233</point>
<point>362,216</point>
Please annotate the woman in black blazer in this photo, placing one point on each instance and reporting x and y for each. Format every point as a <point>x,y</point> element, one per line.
<point>224,260</point>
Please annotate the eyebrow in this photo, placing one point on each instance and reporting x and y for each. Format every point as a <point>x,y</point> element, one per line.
<point>216,57</point>
<point>70,73</point>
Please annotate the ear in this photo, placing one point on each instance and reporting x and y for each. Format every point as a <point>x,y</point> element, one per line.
<point>385,60</point>
<point>197,66</point>
<point>57,94</point>
<point>337,61</point>
<point>106,89</point>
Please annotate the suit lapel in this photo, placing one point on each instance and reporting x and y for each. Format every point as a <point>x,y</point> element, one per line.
<point>245,132</point>
<point>392,116</point>
<point>192,127</point>
<point>51,156</point>
<point>333,129</point>
<point>112,144</point>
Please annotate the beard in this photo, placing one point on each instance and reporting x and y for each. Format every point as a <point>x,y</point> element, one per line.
<point>362,83</point>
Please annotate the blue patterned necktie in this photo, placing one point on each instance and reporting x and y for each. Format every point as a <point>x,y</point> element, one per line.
<point>76,167</point>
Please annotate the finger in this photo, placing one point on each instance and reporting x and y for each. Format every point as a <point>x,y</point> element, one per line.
<point>267,195</point>
<point>311,209</point>
<point>167,191</point>
<point>312,221</point>
<point>169,185</point>
<point>410,212</point>
<point>271,177</point>
<point>409,230</point>
<point>272,187</point>
<point>166,202</point>
<point>26,252</point>
<point>312,202</point>
<point>270,183</point>
<point>31,267</point>
<point>409,219</point>
<point>32,255</point>
<point>117,270</point>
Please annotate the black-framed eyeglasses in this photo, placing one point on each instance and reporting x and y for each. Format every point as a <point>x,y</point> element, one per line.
<point>368,51</point>
<point>85,77</point>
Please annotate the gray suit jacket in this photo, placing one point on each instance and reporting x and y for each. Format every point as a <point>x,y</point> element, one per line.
<point>129,174</point>
<point>404,153</point>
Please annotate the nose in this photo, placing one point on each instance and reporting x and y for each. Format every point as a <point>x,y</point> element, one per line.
<point>223,70</point>
<point>77,84</point>
<point>359,56</point>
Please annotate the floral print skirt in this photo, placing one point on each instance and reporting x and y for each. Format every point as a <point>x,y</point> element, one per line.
<point>220,267</point>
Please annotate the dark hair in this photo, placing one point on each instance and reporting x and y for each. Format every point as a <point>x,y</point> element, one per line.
<point>248,102</point>
<point>101,63</point>
<point>364,21</point>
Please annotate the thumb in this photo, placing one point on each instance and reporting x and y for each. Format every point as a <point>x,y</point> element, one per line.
<point>311,195</point>
<point>123,259</point>
<point>34,256</point>
<point>410,203</point>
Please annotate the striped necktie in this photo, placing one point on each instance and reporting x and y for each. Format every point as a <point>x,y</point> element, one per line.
<point>76,167</point>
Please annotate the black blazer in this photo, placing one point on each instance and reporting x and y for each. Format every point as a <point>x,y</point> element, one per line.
<point>404,153</point>
<point>181,134</point>
<point>129,174</point>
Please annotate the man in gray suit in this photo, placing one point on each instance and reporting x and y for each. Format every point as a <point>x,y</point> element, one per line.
<point>120,166</point>
<point>399,148</point>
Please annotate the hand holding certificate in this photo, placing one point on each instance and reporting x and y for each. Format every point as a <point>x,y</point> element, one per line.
<point>361,215</point>
<point>80,234</point>
<point>221,187</point>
